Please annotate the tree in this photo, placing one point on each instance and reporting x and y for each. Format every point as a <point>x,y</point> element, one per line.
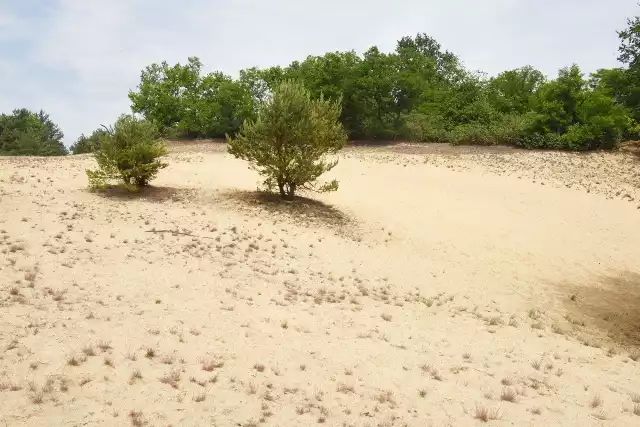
<point>569,114</point>
<point>512,91</point>
<point>290,138</point>
<point>181,102</point>
<point>630,43</point>
<point>218,107</point>
<point>163,91</point>
<point>88,144</point>
<point>129,152</point>
<point>25,133</point>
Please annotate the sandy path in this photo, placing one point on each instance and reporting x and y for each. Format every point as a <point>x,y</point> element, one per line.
<point>430,288</point>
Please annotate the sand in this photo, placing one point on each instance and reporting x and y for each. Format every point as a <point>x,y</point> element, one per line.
<point>438,287</point>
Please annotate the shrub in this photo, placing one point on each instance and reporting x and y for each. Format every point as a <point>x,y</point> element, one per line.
<point>289,140</point>
<point>88,144</point>
<point>505,129</point>
<point>129,152</point>
<point>539,141</point>
<point>424,128</point>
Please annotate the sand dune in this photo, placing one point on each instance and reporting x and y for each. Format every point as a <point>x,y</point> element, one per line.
<point>439,286</point>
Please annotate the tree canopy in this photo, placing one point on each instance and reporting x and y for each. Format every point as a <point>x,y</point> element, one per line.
<point>26,133</point>
<point>419,91</point>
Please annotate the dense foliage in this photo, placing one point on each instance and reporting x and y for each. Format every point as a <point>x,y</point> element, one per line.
<point>129,152</point>
<point>25,133</point>
<point>418,92</point>
<point>88,144</point>
<point>290,138</point>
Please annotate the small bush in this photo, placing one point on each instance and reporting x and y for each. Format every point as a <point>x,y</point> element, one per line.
<point>289,140</point>
<point>539,141</point>
<point>424,128</point>
<point>473,134</point>
<point>88,144</point>
<point>129,153</point>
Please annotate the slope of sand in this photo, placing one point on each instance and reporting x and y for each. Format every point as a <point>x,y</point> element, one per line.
<point>437,287</point>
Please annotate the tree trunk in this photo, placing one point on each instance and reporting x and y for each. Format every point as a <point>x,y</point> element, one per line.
<point>292,191</point>
<point>281,188</point>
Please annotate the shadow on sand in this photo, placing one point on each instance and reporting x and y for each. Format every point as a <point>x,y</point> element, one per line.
<point>611,304</point>
<point>301,210</point>
<point>150,194</point>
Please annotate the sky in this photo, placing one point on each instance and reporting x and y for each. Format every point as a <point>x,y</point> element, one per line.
<point>77,59</point>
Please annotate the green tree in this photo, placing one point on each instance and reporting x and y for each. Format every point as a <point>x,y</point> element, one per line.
<point>88,144</point>
<point>512,91</point>
<point>164,90</point>
<point>219,106</point>
<point>630,43</point>
<point>182,102</point>
<point>290,138</point>
<point>25,133</point>
<point>569,114</point>
<point>129,152</point>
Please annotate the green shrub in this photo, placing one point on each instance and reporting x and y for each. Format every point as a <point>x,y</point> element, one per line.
<point>129,153</point>
<point>424,128</point>
<point>290,138</point>
<point>88,144</point>
<point>539,141</point>
<point>507,129</point>
<point>472,134</point>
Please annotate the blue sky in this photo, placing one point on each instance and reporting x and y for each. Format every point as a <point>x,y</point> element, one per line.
<point>77,59</point>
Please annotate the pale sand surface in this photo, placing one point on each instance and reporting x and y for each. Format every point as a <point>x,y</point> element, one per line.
<point>436,283</point>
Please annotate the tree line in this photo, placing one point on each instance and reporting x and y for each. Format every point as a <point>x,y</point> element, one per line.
<point>418,92</point>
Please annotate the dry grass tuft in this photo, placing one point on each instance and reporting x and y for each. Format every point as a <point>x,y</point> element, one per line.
<point>507,381</point>
<point>251,388</point>
<point>596,401</point>
<point>386,397</point>
<point>258,367</point>
<point>210,365</point>
<point>75,360</point>
<point>345,388</point>
<point>137,419</point>
<point>135,376</point>
<point>104,345</point>
<point>37,397</point>
<point>172,378</point>
<point>485,414</point>
<point>509,394</point>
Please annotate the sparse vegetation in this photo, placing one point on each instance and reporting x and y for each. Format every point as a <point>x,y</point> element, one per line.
<point>509,394</point>
<point>485,414</point>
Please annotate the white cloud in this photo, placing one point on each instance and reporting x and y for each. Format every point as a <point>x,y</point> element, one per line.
<point>83,56</point>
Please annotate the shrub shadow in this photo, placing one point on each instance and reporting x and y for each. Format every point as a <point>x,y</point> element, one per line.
<point>301,210</point>
<point>151,194</point>
<point>611,305</point>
